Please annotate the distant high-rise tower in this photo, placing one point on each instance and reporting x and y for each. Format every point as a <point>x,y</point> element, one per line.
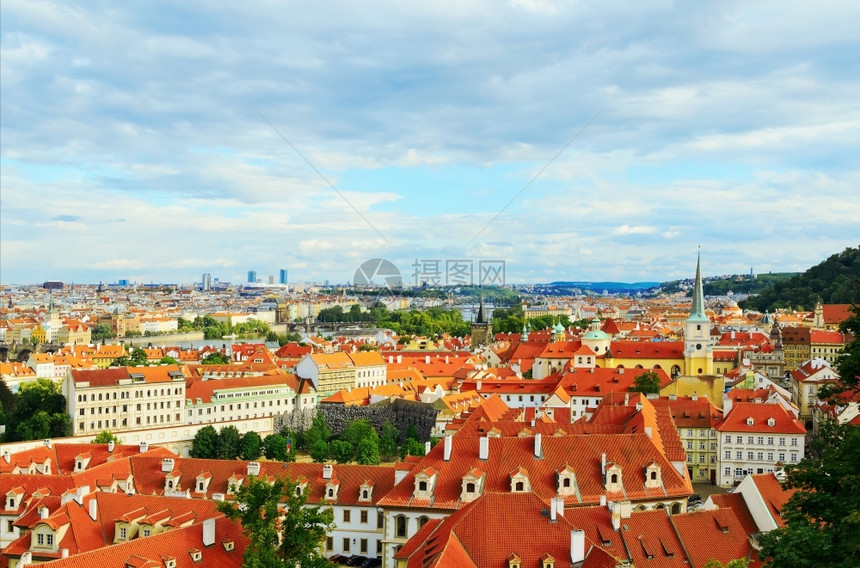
<point>282,276</point>
<point>252,276</point>
<point>206,281</point>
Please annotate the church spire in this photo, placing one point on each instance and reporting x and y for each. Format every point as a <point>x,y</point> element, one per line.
<point>481,311</point>
<point>698,309</point>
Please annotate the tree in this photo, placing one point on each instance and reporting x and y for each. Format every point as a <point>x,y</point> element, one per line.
<point>216,358</point>
<point>168,360</point>
<point>388,440</point>
<point>367,451</point>
<point>342,451</point>
<point>412,433</point>
<point>275,447</point>
<point>648,382</point>
<point>38,412</point>
<point>848,363</point>
<point>138,357</point>
<point>319,451</point>
<point>229,443</point>
<point>319,430</point>
<point>277,514</point>
<point>822,520</point>
<point>101,331</point>
<point>412,447</point>
<point>736,563</point>
<point>205,443</point>
<point>251,446</point>
<point>105,437</point>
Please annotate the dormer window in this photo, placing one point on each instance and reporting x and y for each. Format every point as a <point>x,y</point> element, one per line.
<point>653,475</point>
<point>424,481</point>
<point>750,421</point>
<point>472,485</point>
<point>470,488</point>
<point>196,555</point>
<point>614,480</point>
<point>771,422</point>
<point>565,481</point>
<point>547,561</point>
<point>514,561</point>
<point>365,491</point>
<point>520,481</point>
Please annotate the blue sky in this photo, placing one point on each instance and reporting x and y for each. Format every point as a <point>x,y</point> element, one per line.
<point>135,139</point>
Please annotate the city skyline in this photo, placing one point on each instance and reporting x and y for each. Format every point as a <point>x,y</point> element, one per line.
<point>572,141</point>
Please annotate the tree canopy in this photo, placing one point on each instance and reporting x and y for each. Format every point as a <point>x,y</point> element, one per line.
<point>38,412</point>
<point>648,382</point>
<point>284,530</point>
<point>105,437</point>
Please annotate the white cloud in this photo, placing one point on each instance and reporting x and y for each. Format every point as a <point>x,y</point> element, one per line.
<point>634,230</point>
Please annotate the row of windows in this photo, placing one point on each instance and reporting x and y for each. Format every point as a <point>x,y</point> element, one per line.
<point>701,445</point>
<point>45,539</point>
<point>759,456</point>
<point>127,394</point>
<point>760,440</point>
<point>362,545</point>
<point>225,407</point>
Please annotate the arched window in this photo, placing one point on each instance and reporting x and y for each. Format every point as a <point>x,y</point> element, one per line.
<point>653,476</point>
<point>422,486</point>
<point>470,488</point>
<point>565,482</point>
<point>614,478</point>
<point>422,521</point>
<point>400,526</point>
<point>520,486</point>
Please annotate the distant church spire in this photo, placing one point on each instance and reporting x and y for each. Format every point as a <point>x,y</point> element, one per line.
<point>481,311</point>
<point>698,309</point>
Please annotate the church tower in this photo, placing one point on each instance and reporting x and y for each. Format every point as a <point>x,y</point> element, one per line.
<point>698,349</point>
<point>481,329</point>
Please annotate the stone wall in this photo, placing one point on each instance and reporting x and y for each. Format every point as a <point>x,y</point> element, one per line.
<point>400,413</point>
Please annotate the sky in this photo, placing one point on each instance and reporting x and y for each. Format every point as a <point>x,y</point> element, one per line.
<point>157,141</point>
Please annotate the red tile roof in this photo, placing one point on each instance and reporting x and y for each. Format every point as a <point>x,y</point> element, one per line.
<point>713,535</point>
<point>737,419</point>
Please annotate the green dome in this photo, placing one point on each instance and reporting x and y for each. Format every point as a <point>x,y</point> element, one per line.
<point>596,334</point>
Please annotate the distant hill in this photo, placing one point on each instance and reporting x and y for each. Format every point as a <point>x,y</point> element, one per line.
<point>834,281</point>
<point>611,287</point>
<point>737,284</point>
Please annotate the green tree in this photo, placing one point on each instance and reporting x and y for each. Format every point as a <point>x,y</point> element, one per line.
<point>229,443</point>
<point>412,433</point>
<point>138,357</point>
<point>367,451</point>
<point>279,540</point>
<point>319,430</point>
<point>251,446</point>
<point>319,451</point>
<point>101,331</point>
<point>216,358</point>
<point>168,360</point>
<point>342,451</point>
<point>736,563</point>
<point>388,440</point>
<point>205,443</point>
<point>275,447</point>
<point>648,382</point>
<point>848,363</point>
<point>39,412</point>
<point>105,437</point>
<point>822,520</point>
<point>412,447</point>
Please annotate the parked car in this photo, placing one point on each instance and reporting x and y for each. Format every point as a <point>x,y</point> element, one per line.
<point>355,560</point>
<point>372,563</point>
<point>338,558</point>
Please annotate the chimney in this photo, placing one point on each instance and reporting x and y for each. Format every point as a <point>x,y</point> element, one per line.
<point>400,358</point>
<point>603,500</point>
<point>253,468</point>
<point>92,508</point>
<point>426,447</point>
<point>638,407</point>
<point>649,431</point>
<point>615,511</point>
<point>400,475</point>
<point>110,446</point>
<point>7,457</point>
<point>484,448</point>
<point>427,359</point>
<point>48,443</point>
<point>43,512</point>
<point>538,449</point>
<point>477,385</point>
<point>64,553</point>
<point>695,397</point>
<point>577,546</point>
<point>626,399</point>
<point>733,334</point>
<point>167,465</point>
<point>390,359</point>
<point>448,445</point>
<point>446,359</point>
<point>553,514</point>
<point>620,370</point>
<point>209,532</point>
<point>603,463</point>
<point>327,471</point>
<point>26,559</point>
<point>559,505</point>
<point>144,446</point>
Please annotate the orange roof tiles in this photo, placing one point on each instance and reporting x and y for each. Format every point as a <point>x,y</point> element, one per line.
<point>737,419</point>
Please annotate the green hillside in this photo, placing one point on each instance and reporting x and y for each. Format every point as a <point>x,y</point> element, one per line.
<point>834,281</point>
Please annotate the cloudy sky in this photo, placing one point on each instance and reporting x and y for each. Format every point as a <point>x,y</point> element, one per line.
<point>156,141</point>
